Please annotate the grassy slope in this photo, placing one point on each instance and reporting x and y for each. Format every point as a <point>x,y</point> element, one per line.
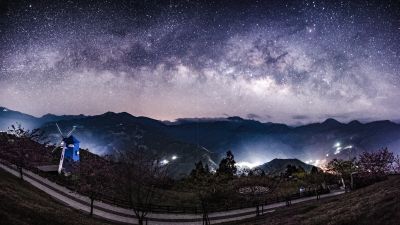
<point>376,204</point>
<point>23,204</point>
<point>20,203</point>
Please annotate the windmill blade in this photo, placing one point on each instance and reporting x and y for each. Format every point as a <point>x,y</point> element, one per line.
<point>73,129</point>
<point>59,130</point>
<point>58,145</point>
<point>55,148</point>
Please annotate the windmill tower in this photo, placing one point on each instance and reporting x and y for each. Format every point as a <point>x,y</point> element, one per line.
<point>70,150</point>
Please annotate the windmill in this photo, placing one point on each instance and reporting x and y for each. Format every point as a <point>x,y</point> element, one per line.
<point>70,149</point>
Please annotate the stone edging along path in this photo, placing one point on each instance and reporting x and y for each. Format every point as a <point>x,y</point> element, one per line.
<point>126,216</point>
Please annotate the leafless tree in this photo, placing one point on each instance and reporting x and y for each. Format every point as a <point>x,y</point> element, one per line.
<point>396,164</point>
<point>140,178</point>
<point>204,185</point>
<point>95,176</point>
<point>24,147</point>
<point>342,168</point>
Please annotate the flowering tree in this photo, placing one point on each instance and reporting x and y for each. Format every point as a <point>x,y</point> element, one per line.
<point>376,163</point>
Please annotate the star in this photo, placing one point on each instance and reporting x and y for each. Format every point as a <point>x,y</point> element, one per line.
<point>175,59</point>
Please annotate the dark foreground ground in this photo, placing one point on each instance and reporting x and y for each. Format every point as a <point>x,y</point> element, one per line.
<point>377,204</point>
<point>23,204</point>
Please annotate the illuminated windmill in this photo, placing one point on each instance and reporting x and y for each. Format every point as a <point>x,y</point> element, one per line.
<point>70,150</point>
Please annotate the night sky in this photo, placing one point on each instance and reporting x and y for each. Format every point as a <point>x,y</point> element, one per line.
<point>291,62</point>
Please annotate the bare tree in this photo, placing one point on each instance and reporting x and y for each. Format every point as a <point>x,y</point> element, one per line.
<point>23,151</point>
<point>140,178</point>
<point>316,180</point>
<point>95,175</point>
<point>396,164</point>
<point>342,168</point>
<point>204,185</point>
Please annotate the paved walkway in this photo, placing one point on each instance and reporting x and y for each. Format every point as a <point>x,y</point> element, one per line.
<point>123,215</point>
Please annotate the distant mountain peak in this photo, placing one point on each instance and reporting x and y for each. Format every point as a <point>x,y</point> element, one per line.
<point>235,118</point>
<point>289,159</point>
<point>48,115</point>
<point>109,113</point>
<point>124,114</point>
<point>354,122</point>
<point>331,121</point>
<point>277,166</point>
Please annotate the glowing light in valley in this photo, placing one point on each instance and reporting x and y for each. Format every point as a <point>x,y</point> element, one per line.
<point>164,162</point>
<point>174,157</point>
<point>317,162</point>
<point>338,150</point>
<point>248,164</point>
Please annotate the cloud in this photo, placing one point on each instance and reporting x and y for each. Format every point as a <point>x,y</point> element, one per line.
<point>253,116</point>
<point>300,117</point>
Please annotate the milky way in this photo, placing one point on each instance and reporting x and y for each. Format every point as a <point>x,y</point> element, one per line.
<point>292,62</point>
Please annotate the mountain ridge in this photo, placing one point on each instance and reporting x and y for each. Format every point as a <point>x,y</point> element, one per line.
<point>250,140</point>
<point>329,121</point>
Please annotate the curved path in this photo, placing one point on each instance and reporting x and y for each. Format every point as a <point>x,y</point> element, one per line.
<point>123,215</point>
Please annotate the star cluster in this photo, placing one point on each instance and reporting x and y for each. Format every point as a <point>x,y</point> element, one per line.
<point>281,61</point>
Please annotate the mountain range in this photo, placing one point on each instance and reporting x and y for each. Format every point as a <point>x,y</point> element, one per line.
<point>191,140</point>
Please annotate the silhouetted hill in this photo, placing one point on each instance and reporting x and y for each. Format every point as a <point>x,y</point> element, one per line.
<point>277,166</point>
<point>51,117</point>
<point>9,117</point>
<point>106,133</point>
